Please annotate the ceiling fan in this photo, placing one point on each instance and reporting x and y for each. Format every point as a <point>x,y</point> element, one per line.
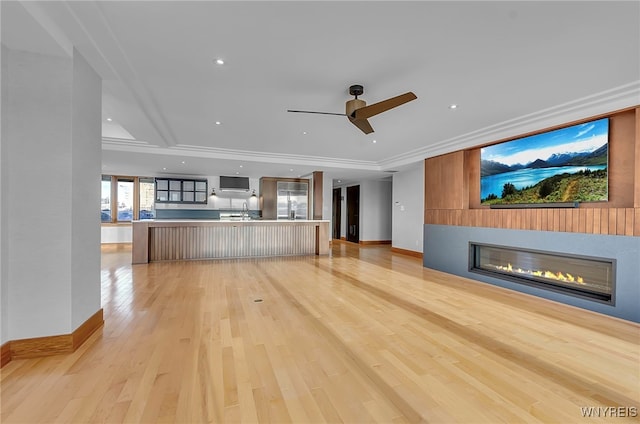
<point>358,112</point>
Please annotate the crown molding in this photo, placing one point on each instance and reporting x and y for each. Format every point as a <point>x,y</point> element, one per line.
<point>618,98</point>
<point>240,155</point>
<point>113,143</point>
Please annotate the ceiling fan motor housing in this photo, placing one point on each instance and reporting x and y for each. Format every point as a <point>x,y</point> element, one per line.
<point>353,105</point>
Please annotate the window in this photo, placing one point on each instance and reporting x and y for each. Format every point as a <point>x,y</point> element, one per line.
<point>147,196</point>
<point>105,199</point>
<point>181,191</point>
<point>124,199</point>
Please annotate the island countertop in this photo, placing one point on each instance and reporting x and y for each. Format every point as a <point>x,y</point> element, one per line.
<point>185,239</point>
<point>169,222</point>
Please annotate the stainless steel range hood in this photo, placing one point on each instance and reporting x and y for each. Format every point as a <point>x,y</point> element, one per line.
<point>240,184</point>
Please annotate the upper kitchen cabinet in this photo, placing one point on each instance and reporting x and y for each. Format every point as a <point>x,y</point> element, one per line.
<point>180,190</point>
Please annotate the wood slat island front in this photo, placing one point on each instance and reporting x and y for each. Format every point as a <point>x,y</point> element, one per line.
<point>165,240</point>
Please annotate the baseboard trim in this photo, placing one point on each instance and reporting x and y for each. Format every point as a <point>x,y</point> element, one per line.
<point>52,345</point>
<point>407,252</point>
<point>374,242</point>
<point>5,354</point>
<point>41,346</point>
<point>343,238</point>
<point>87,328</point>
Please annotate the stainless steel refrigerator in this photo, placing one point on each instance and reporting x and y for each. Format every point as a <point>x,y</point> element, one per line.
<point>293,199</point>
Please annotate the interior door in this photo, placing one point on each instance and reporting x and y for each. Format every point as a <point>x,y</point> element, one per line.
<point>336,215</point>
<point>353,214</point>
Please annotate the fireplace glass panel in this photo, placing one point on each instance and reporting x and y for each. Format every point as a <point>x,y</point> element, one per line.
<point>582,276</point>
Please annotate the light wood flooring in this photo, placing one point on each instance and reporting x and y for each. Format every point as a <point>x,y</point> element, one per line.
<point>361,336</point>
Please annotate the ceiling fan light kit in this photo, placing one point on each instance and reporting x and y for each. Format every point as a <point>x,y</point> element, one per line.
<point>358,112</point>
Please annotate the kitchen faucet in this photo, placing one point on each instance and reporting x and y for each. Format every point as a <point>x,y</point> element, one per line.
<point>245,211</point>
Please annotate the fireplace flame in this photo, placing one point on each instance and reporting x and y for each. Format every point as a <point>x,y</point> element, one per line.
<point>557,276</point>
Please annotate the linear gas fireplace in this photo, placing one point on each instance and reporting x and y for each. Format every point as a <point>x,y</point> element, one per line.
<point>582,276</point>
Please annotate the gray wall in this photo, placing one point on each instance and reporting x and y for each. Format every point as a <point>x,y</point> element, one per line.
<point>446,248</point>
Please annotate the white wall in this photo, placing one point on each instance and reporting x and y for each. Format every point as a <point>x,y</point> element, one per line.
<point>408,208</point>
<point>234,199</point>
<point>52,165</point>
<point>4,281</point>
<point>39,221</point>
<point>86,163</point>
<point>116,233</point>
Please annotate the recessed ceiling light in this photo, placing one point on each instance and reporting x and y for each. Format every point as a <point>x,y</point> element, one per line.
<point>290,169</point>
<point>164,169</point>
<point>374,141</point>
<point>218,122</point>
<point>304,132</point>
<point>453,106</point>
<point>339,181</point>
<point>109,119</point>
<point>241,166</point>
<point>183,162</point>
<point>220,61</point>
<point>237,173</point>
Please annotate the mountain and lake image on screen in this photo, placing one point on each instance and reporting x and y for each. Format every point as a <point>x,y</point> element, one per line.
<point>565,165</point>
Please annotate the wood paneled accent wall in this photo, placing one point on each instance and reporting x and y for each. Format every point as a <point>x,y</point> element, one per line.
<point>452,190</point>
<point>317,194</point>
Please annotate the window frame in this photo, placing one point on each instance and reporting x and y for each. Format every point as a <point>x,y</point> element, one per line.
<point>114,197</point>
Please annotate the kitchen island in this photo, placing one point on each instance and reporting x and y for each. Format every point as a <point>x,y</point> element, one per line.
<point>167,240</point>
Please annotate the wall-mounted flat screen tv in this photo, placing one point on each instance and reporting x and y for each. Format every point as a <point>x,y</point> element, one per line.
<point>564,165</point>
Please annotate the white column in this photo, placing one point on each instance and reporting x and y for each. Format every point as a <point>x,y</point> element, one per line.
<point>86,169</point>
<point>4,288</point>
<point>50,188</point>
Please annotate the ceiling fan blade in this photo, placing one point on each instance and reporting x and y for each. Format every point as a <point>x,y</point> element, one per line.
<point>376,108</point>
<point>318,113</point>
<point>363,124</point>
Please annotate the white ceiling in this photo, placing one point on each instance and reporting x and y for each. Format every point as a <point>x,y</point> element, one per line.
<point>512,67</point>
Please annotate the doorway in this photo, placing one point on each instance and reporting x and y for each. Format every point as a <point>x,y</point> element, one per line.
<point>337,212</point>
<point>353,214</point>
